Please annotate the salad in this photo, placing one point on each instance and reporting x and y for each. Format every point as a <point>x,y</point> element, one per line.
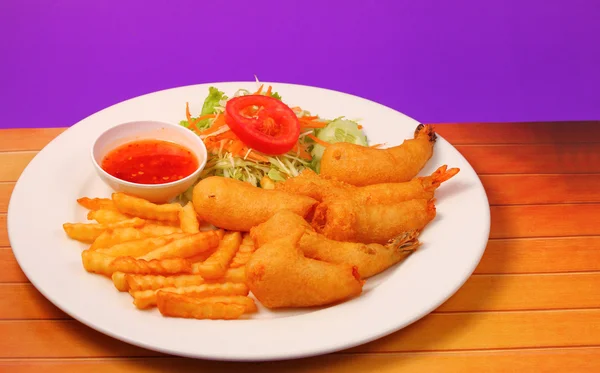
<point>257,138</point>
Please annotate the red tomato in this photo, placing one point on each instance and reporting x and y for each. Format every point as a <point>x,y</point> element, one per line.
<point>263,123</point>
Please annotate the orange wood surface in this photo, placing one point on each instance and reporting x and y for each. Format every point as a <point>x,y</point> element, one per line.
<point>532,304</point>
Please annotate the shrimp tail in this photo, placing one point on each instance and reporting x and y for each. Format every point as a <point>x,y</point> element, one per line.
<point>425,130</point>
<point>432,182</point>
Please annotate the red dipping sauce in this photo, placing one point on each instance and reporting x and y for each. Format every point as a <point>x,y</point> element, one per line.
<point>150,162</point>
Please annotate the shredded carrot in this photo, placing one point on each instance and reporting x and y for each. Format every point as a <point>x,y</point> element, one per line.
<point>257,157</point>
<point>308,119</point>
<point>268,93</point>
<point>235,147</point>
<point>259,90</point>
<point>312,125</point>
<point>317,140</point>
<point>187,112</point>
<point>360,127</point>
<point>194,122</point>
<point>376,146</point>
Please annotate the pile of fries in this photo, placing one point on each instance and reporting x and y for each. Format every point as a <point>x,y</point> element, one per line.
<point>159,254</point>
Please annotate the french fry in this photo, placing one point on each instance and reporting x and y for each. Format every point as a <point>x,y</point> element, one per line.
<point>154,282</point>
<point>147,298</point>
<point>114,237</point>
<point>175,305</point>
<point>185,247</point>
<point>216,264</point>
<point>234,275</point>
<point>244,252</point>
<point>105,216</point>
<point>154,230</point>
<point>140,247</point>
<point>96,262</point>
<point>188,219</point>
<point>90,232</point>
<point>119,281</point>
<point>200,257</point>
<point>140,207</point>
<point>128,264</point>
<point>97,203</point>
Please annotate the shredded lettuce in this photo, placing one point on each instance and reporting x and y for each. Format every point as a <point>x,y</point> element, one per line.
<point>210,105</point>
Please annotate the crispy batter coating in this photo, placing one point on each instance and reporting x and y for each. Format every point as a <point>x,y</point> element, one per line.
<point>346,220</point>
<point>279,275</point>
<point>360,165</point>
<point>235,205</point>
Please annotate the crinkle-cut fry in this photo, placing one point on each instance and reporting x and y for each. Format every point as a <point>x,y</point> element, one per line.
<point>188,219</point>
<point>97,203</point>
<point>140,247</point>
<point>154,282</point>
<point>215,265</point>
<point>95,262</point>
<point>89,232</point>
<point>244,252</point>
<point>106,216</point>
<point>237,275</point>
<point>113,237</point>
<point>147,298</point>
<point>154,230</point>
<point>175,305</point>
<point>128,264</point>
<point>200,257</point>
<point>185,247</point>
<point>140,207</point>
<point>119,281</point>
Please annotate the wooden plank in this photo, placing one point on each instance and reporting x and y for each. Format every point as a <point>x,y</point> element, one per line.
<point>9,268</point>
<point>435,332</point>
<point>24,302</point>
<point>53,338</point>
<point>3,231</point>
<point>541,189</point>
<point>540,255</point>
<point>526,292</point>
<point>27,138</point>
<point>580,360</point>
<point>12,164</point>
<point>520,133</point>
<point>545,220</point>
<point>494,330</point>
<point>533,159</point>
<point>5,193</point>
<point>479,293</point>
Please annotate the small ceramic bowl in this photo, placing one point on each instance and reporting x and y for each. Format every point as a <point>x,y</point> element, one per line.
<point>146,130</point>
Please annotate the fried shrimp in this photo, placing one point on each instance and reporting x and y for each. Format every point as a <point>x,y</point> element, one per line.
<point>369,259</point>
<point>360,165</point>
<point>345,220</point>
<point>308,183</point>
<point>279,275</point>
<point>236,205</point>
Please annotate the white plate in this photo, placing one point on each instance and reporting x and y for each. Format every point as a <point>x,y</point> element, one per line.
<point>45,197</point>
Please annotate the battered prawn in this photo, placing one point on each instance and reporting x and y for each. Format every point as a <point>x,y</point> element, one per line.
<point>309,184</point>
<point>279,275</point>
<point>346,220</point>
<point>359,165</point>
<point>369,259</point>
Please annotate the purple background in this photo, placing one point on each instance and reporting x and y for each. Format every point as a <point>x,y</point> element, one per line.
<point>437,61</point>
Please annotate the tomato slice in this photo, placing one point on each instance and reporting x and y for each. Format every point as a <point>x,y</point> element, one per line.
<point>263,123</point>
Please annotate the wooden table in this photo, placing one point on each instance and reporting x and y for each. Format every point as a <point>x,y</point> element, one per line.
<point>533,304</point>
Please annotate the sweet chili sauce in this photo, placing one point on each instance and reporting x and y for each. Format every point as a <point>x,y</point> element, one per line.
<point>150,162</point>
